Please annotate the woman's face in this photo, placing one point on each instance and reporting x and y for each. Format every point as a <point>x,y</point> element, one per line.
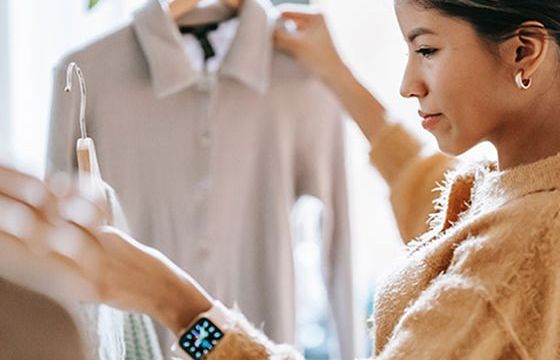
<point>463,89</point>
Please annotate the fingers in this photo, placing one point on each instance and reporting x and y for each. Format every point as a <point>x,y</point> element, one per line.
<point>301,22</point>
<point>87,189</point>
<point>303,16</point>
<point>301,26</point>
<point>11,241</point>
<point>20,222</point>
<point>81,212</point>
<point>49,230</point>
<point>286,41</point>
<point>39,198</point>
<point>29,212</point>
<point>67,243</point>
<point>74,245</point>
<point>291,25</point>
<point>16,218</point>
<point>73,237</point>
<point>26,189</point>
<point>40,236</point>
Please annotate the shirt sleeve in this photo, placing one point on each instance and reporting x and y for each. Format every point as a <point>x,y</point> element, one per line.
<point>337,244</point>
<point>411,177</point>
<point>453,319</point>
<point>322,174</point>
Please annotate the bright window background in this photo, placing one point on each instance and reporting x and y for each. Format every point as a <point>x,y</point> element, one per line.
<point>39,34</point>
<point>5,102</point>
<point>36,33</point>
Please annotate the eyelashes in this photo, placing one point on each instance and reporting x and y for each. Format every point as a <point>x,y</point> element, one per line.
<point>426,53</point>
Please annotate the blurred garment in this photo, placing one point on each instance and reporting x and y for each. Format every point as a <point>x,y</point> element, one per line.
<point>112,334</point>
<point>109,333</point>
<point>138,330</point>
<point>34,326</point>
<point>209,165</point>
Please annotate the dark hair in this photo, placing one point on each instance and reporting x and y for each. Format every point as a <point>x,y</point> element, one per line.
<point>497,20</point>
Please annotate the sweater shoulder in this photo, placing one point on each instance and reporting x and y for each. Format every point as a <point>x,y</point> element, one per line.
<point>516,245</point>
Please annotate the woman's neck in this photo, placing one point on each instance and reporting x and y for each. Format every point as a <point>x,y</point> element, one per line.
<point>537,137</point>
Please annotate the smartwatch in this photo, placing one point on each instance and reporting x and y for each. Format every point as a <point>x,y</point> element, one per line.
<point>206,332</point>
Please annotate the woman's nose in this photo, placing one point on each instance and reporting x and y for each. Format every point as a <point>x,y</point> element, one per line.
<point>412,84</point>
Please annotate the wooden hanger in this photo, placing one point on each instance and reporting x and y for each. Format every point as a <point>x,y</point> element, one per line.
<point>85,148</point>
<point>89,174</point>
<point>179,8</point>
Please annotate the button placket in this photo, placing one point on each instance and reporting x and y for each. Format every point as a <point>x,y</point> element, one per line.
<point>203,187</point>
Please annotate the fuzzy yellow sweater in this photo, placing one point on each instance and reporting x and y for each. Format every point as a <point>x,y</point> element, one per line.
<point>483,282</point>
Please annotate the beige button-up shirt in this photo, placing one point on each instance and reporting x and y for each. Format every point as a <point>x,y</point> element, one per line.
<point>208,167</point>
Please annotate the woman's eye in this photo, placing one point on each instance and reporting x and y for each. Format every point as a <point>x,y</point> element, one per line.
<point>426,52</point>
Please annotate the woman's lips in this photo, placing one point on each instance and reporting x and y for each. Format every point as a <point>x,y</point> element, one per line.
<point>430,121</point>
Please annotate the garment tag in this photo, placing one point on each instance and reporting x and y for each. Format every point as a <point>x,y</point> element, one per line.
<point>200,32</point>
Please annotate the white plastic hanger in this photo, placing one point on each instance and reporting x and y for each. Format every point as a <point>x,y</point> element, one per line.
<point>179,8</point>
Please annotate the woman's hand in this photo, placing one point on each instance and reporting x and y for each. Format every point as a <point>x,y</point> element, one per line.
<point>311,42</point>
<point>138,278</point>
<point>61,234</point>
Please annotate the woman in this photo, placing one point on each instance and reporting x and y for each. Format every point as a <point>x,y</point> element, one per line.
<point>483,282</point>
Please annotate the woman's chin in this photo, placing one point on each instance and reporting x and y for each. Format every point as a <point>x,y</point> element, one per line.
<point>450,147</point>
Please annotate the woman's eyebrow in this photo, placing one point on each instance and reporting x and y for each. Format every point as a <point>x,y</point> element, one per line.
<point>419,31</point>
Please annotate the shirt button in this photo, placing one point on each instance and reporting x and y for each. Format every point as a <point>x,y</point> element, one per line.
<point>206,140</point>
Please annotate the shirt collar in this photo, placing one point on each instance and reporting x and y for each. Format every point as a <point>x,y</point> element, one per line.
<point>248,61</point>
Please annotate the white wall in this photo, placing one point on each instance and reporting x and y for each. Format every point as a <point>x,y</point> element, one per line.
<point>5,143</point>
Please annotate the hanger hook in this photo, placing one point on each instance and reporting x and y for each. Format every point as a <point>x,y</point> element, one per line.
<point>69,70</point>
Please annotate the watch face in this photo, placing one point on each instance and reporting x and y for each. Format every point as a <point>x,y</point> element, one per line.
<point>201,338</point>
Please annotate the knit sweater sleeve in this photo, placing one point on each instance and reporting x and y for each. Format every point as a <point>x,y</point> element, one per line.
<point>433,327</point>
<point>453,319</point>
<point>411,177</point>
<point>244,342</point>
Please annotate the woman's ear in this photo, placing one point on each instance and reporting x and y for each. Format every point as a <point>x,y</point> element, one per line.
<point>527,48</point>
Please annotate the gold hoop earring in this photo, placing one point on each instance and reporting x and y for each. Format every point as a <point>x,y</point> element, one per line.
<point>522,84</point>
